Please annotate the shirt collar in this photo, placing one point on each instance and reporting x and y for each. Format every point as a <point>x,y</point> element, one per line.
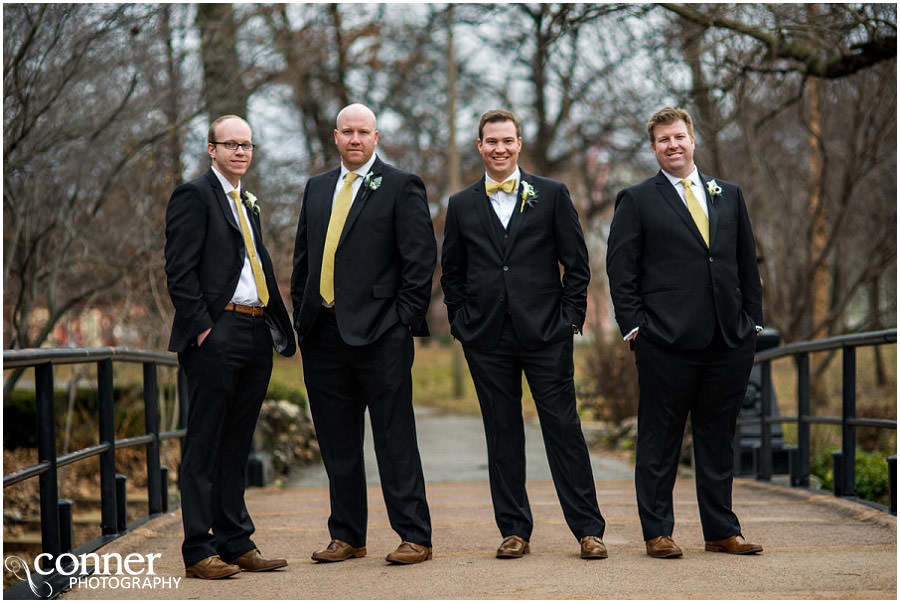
<point>514,176</point>
<point>694,177</point>
<point>226,186</point>
<point>361,170</point>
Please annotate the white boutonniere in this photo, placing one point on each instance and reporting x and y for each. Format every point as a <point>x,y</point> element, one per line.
<point>371,181</point>
<point>529,196</point>
<point>249,200</point>
<point>713,188</point>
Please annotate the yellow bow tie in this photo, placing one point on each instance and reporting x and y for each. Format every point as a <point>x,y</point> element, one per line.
<point>492,187</point>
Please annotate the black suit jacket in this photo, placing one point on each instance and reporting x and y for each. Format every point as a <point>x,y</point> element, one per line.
<point>488,271</point>
<point>204,257</point>
<point>384,261</point>
<point>665,280</point>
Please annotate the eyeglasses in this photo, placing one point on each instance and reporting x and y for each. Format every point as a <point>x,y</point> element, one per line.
<point>247,147</point>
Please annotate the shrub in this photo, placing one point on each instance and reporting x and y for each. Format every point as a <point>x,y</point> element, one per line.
<point>872,480</point>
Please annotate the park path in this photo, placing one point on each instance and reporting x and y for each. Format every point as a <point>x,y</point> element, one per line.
<point>816,546</point>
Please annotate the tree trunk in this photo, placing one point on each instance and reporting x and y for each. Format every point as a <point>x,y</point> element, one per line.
<point>223,89</point>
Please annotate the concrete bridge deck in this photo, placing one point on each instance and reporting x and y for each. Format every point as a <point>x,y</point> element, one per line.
<point>816,546</point>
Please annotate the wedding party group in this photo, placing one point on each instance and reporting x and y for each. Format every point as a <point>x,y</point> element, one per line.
<point>684,282</point>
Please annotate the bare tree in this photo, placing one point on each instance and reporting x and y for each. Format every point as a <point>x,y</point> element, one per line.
<point>82,208</point>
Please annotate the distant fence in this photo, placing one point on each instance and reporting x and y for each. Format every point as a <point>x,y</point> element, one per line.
<point>844,462</point>
<point>56,514</point>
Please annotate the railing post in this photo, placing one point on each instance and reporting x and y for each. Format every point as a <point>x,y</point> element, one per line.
<point>892,479</point>
<point>121,503</point>
<point>764,461</point>
<point>108,523</point>
<point>848,432</point>
<point>151,421</point>
<point>164,480</point>
<point>49,495</point>
<point>65,525</point>
<point>803,443</point>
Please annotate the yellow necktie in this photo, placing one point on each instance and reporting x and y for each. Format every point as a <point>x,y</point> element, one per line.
<point>339,212</point>
<point>261,290</point>
<point>492,187</point>
<point>696,211</point>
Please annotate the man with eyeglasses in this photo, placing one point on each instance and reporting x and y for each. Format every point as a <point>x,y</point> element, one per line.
<point>228,316</point>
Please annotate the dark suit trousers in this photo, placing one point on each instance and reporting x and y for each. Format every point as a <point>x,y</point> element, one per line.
<point>710,385</point>
<point>342,381</point>
<point>497,375</point>
<point>227,379</point>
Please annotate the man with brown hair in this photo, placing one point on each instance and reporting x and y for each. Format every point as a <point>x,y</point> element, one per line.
<point>684,281</point>
<point>505,238</point>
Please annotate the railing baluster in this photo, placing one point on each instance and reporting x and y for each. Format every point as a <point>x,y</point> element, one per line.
<point>151,420</point>
<point>848,432</point>
<point>43,385</point>
<point>764,459</point>
<point>803,442</point>
<point>108,523</point>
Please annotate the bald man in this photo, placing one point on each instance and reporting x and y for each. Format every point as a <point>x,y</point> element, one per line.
<point>363,261</point>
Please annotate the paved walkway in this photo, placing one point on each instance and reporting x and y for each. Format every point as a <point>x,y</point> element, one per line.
<point>815,545</point>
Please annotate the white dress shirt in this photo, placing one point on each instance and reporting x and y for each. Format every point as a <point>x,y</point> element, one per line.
<point>245,293</point>
<point>361,171</point>
<point>504,203</point>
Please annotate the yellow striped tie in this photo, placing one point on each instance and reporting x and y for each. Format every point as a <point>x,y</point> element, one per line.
<point>696,211</point>
<point>261,290</point>
<point>339,212</point>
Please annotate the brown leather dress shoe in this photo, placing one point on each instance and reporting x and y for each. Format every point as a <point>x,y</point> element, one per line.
<point>408,553</point>
<point>736,545</point>
<point>338,550</point>
<point>211,568</point>
<point>592,547</point>
<point>253,561</point>
<point>663,547</point>
<point>513,547</point>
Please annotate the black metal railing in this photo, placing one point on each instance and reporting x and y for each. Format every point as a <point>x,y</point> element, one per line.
<point>844,460</point>
<point>56,512</point>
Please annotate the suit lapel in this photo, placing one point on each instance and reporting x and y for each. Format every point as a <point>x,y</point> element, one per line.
<point>359,201</point>
<point>487,216</point>
<point>224,201</point>
<point>712,205</point>
<point>671,197</point>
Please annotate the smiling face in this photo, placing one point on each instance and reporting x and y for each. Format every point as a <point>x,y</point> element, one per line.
<point>499,147</point>
<point>355,135</point>
<point>231,164</point>
<point>673,146</point>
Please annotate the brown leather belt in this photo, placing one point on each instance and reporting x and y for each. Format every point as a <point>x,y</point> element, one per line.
<point>251,310</point>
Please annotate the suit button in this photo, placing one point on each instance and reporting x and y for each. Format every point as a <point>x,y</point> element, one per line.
<point>506,269</point>
<point>711,260</point>
<point>502,299</point>
<point>506,236</point>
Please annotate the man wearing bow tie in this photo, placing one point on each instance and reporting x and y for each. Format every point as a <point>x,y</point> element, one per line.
<point>685,285</point>
<point>363,262</point>
<point>228,316</point>
<point>505,238</point>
